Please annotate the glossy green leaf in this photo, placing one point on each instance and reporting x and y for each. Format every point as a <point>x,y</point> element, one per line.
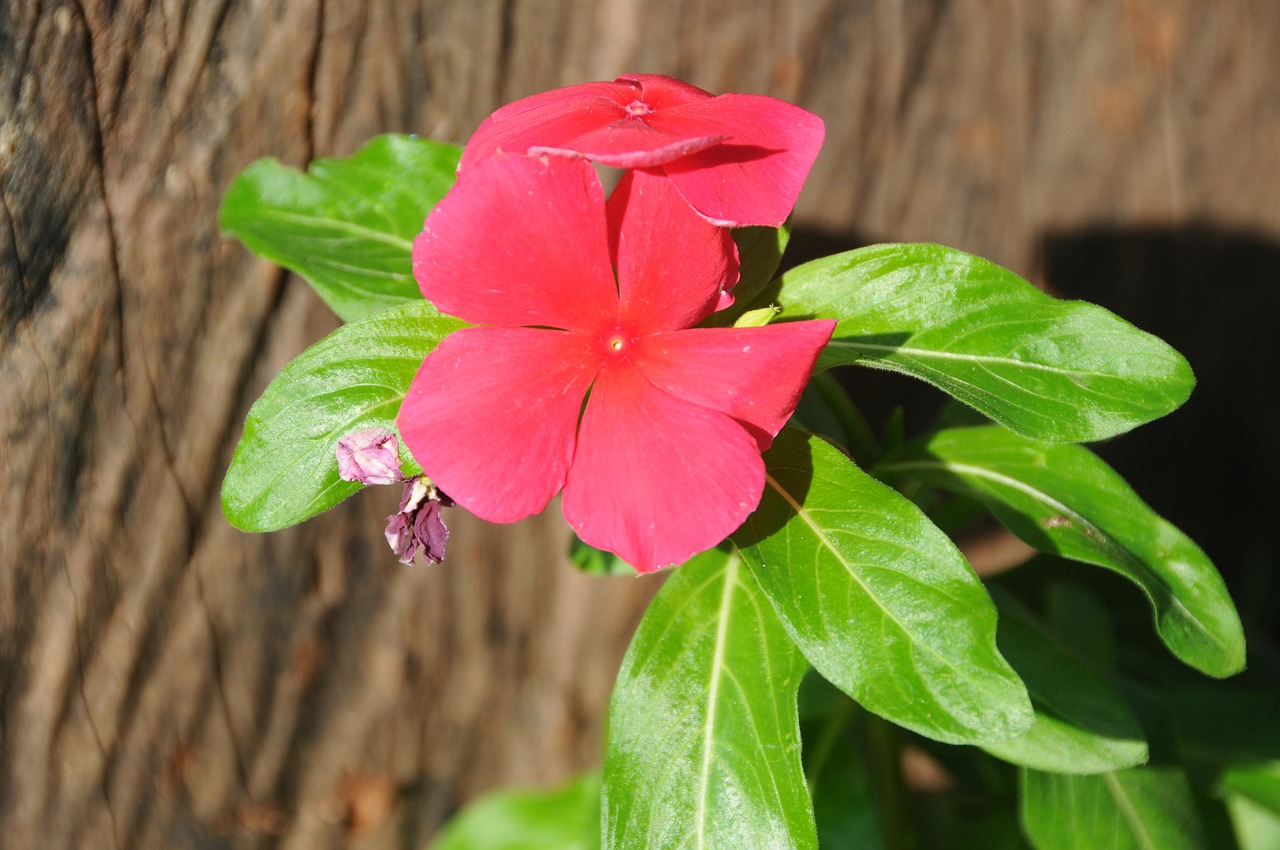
<point>878,599</point>
<point>759,253</point>
<point>565,818</point>
<point>1064,500</point>
<point>285,468</point>
<point>704,740</point>
<point>1140,809</point>
<point>1056,370</point>
<point>1083,723</point>
<point>346,225</point>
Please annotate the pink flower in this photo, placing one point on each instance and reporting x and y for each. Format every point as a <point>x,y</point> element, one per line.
<point>663,459</point>
<point>737,159</point>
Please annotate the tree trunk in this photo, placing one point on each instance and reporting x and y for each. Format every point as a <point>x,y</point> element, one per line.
<point>167,681</point>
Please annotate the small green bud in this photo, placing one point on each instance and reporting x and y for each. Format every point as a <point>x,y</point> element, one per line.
<point>757,318</point>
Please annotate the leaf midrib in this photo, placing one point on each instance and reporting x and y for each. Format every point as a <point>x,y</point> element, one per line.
<point>830,545</point>
<point>336,223</point>
<point>1128,811</point>
<point>713,689</point>
<point>926,354</point>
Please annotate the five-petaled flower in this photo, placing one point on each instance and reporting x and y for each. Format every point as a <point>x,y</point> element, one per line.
<point>737,159</point>
<point>585,372</point>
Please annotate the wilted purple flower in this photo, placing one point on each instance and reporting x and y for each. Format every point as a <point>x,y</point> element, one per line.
<point>371,456</point>
<point>419,524</point>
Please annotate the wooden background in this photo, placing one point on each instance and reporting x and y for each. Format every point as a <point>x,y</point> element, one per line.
<point>168,682</point>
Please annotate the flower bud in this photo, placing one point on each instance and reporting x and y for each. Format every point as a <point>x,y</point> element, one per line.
<point>419,524</point>
<point>371,456</point>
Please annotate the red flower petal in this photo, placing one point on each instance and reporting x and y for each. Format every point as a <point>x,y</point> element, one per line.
<point>755,375</point>
<point>520,241</point>
<point>629,144</point>
<point>755,177</point>
<point>635,142</point>
<point>550,118</point>
<point>604,122</point>
<point>656,479</point>
<point>672,264</point>
<point>491,416</point>
<point>661,92</point>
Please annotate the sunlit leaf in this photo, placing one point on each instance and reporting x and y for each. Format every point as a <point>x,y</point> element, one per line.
<point>878,599</point>
<point>1056,370</point>
<point>285,469</point>
<point>346,225</point>
<point>704,740</point>
<point>565,818</point>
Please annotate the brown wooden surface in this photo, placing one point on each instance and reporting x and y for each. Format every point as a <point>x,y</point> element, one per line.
<point>166,681</point>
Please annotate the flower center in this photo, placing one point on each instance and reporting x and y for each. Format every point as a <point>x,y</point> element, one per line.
<point>638,108</point>
<point>616,344</point>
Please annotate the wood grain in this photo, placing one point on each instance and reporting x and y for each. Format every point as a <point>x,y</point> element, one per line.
<point>166,681</point>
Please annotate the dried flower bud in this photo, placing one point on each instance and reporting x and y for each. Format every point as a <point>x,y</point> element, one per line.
<point>371,456</point>
<point>419,524</point>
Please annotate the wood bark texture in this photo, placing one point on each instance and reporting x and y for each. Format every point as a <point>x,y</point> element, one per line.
<point>169,682</point>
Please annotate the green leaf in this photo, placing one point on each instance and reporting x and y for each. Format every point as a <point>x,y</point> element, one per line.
<point>1083,724</point>
<point>1056,370</point>
<point>285,468</point>
<point>759,253</point>
<point>878,599</point>
<point>1140,809</point>
<point>1257,827</point>
<point>704,740</point>
<point>1260,783</point>
<point>565,818</point>
<point>1064,500</point>
<point>347,225</point>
